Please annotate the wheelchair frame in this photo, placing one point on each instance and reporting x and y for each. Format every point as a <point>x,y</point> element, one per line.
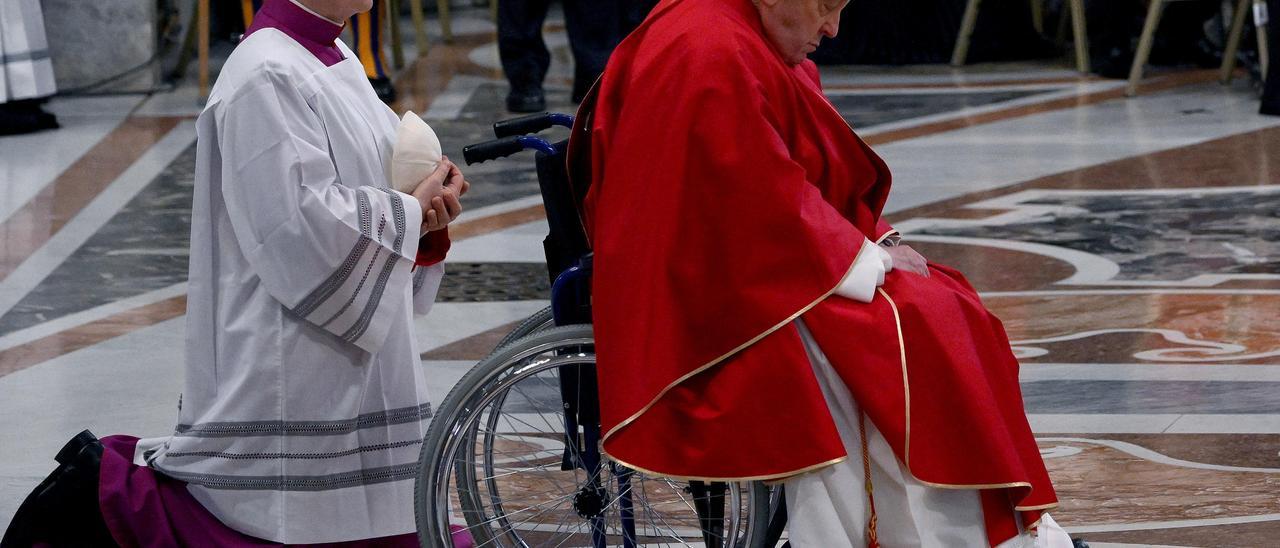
<point>569,265</point>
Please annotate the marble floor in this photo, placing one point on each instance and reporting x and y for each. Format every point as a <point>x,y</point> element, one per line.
<point>1131,247</point>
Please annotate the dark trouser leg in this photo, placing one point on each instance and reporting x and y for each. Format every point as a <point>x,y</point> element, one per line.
<point>524,55</point>
<point>634,13</point>
<point>368,28</point>
<point>1112,28</point>
<point>594,28</point>
<point>1271,90</point>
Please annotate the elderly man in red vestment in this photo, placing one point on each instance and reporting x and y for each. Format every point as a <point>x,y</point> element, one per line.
<point>757,319</point>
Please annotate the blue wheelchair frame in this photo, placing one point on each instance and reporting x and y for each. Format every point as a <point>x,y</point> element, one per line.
<point>569,266</point>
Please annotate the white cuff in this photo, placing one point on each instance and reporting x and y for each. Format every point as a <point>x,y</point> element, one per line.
<point>886,258</point>
<point>866,275</point>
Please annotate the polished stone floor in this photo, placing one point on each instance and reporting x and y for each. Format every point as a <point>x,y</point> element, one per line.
<point>1131,246</point>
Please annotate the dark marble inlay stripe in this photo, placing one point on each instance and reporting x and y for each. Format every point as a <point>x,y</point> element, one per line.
<point>864,110</point>
<point>489,282</point>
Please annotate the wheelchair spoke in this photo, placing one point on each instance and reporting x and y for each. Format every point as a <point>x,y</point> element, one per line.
<point>662,517</point>
<point>529,509</point>
<point>512,527</point>
<point>550,427</point>
<point>577,531</point>
<point>505,474</point>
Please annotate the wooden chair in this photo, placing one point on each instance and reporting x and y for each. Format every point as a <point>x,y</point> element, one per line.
<point>1081,35</point>
<point>1237,31</point>
<point>1156,10</point>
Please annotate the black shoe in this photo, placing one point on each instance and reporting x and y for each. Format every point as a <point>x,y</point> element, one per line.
<point>20,117</point>
<point>382,86</point>
<point>527,101</point>
<point>64,509</point>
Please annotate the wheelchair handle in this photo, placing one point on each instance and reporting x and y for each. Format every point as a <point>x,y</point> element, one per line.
<point>532,123</point>
<point>491,150</point>
<point>506,146</point>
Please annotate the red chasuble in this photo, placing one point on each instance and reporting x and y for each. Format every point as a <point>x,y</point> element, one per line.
<point>730,199</point>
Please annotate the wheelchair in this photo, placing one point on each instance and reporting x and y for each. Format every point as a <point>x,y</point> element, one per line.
<point>513,456</point>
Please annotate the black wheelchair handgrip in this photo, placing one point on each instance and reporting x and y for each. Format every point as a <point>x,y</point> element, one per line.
<point>523,125</point>
<point>492,150</point>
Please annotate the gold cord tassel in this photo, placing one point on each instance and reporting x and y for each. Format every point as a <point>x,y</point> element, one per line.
<point>873,540</point>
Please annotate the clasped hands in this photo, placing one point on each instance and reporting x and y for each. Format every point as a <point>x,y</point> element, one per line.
<point>439,194</point>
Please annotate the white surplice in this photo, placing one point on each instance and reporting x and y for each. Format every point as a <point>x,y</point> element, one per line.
<point>26,71</point>
<point>305,403</point>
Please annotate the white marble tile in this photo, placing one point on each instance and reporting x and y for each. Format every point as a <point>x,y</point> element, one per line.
<point>450,322</point>
<point>993,155</point>
<point>1033,372</point>
<point>520,244</point>
<point>1226,424</point>
<point>125,385</point>
<point>28,163</point>
<point>442,376</point>
<point>183,100</point>
<point>1090,423</point>
<point>1097,423</point>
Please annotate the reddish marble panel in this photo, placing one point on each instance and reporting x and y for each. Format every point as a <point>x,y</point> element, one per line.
<point>1102,485</point>
<point>1247,320</point>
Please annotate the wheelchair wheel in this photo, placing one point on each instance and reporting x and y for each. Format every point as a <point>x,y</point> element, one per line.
<point>495,461</point>
<point>540,320</point>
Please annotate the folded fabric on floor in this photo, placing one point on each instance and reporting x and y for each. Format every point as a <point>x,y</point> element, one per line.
<point>145,508</point>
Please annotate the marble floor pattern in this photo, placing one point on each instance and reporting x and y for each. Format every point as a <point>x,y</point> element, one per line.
<point>1129,246</point>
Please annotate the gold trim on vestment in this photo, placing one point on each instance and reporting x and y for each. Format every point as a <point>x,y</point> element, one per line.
<point>886,236</point>
<point>1041,507</point>
<point>906,390</point>
<point>737,349</point>
<point>780,476</point>
<point>1009,485</point>
<point>1033,526</point>
<point>906,382</point>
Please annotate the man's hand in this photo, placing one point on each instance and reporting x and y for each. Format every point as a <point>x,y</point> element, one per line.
<point>905,258</point>
<point>438,195</point>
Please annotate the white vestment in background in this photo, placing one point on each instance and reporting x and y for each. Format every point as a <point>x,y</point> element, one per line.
<point>25,69</point>
<point>305,402</point>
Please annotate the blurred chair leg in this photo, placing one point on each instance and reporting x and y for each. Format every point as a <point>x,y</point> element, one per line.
<point>397,44</point>
<point>1080,32</point>
<point>1037,15</point>
<point>1144,46</point>
<point>202,30</point>
<point>419,27</point>
<point>1233,42</point>
<point>446,22</point>
<point>1064,19</point>
<point>246,10</point>
<point>961,51</point>
<point>1260,27</point>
